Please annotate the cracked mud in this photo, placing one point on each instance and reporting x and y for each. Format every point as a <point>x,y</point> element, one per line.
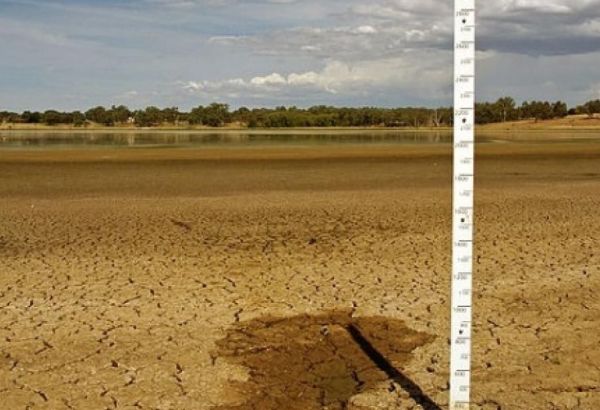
<point>125,273</point>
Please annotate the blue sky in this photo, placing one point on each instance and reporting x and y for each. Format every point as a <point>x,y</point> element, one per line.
<point>71,54</point>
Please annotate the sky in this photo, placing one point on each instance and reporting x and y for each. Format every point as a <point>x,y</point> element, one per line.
<point>68,54</point>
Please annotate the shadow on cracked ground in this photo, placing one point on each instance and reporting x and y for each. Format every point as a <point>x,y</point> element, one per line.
<point>318,361</point>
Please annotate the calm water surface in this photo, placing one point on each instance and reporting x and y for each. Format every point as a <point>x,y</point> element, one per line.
<point>182,139</point>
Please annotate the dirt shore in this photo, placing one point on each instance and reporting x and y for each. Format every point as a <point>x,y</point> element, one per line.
<point>248,278</point>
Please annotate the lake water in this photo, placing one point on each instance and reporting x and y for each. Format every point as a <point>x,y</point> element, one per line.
<point>182,139</point>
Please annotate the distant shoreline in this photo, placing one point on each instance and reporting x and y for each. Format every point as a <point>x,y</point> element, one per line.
<point>219,130</point>
<point>570,123</point>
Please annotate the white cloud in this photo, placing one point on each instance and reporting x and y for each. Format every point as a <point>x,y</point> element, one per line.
<point>269,80</point>
<point>387,27</point>
<point>541,6</point>
<point>267,52</point>
<point>310,48</point>
<point>212,3</point>
<point>130,94</point>
<point>193,86</point>
<point>424,74</point>
<point>365,30</point>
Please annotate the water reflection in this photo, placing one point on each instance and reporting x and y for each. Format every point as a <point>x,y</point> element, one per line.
<point>24,139</point>
<point>183,139</point>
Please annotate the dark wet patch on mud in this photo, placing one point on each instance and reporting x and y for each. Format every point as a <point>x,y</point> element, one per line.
<point>313,361</point>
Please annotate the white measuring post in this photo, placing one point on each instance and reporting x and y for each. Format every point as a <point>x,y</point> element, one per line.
<point>462,193</point>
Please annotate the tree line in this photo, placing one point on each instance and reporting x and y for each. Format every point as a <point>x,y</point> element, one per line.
<point>218,115</point>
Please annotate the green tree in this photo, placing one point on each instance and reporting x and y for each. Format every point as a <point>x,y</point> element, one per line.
<point>119,114</point>
<point>590,108</point>
<point>52,117</point>
<point>196,116</point>
<point>242,115</point>
<point>78,119</point>
<point>559,109</point>
<point>151,116</point>
<point>171,115</point>
<point>31,117</point>
<point>99,115</point>
<point>216,115</point>
<point>506,107</point>
<point>9,117</point>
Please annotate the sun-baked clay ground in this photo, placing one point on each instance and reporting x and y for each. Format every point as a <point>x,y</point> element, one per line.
<point>227,278</point>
